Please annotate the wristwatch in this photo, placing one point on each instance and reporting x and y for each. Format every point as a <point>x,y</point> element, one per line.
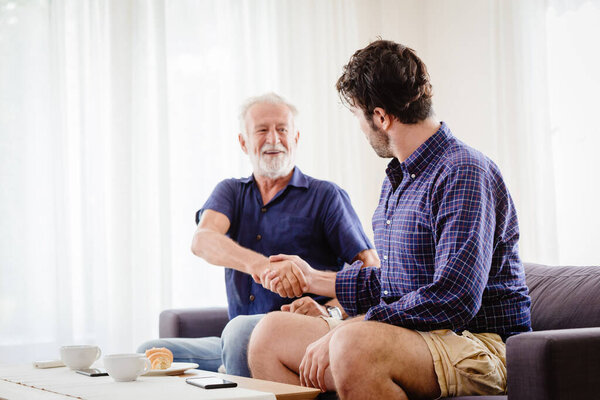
<point>334,312</point>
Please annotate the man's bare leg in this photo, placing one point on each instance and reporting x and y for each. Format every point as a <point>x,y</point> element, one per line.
<point>372,360</point>
<point>278,343</point>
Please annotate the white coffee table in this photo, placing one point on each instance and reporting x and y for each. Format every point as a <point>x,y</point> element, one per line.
<point>26,382</point>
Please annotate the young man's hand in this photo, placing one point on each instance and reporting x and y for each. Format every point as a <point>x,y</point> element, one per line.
<point>315,362</point>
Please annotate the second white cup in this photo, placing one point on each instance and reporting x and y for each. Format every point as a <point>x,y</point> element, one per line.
<point>79,357</point>
<point>126,367</point>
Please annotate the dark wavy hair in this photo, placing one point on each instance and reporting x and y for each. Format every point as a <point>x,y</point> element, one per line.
<point>388,75</point>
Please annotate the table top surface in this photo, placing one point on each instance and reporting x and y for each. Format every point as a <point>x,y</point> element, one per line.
<point>282,391</point>
<point>27,382</point>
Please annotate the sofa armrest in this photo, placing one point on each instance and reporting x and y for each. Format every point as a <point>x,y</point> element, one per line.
<point>552,365</point>
<point>192,322</point>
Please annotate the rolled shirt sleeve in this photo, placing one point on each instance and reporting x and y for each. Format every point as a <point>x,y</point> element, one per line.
<point>358,288</point>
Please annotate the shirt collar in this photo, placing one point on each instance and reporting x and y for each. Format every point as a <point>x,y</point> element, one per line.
<point>298,179</point>
<point>421,157</point>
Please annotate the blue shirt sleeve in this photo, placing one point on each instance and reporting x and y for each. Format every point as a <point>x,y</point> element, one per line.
<point>222,199</point>
<point>463,220</point>
<point>342,226</point>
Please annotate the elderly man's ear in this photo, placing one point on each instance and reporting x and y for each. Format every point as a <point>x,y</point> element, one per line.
<point>242,141</point>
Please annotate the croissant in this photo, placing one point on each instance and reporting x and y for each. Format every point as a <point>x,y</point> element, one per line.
<point>160,358</point>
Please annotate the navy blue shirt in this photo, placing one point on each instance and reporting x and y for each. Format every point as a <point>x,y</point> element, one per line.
<point>310,218</point>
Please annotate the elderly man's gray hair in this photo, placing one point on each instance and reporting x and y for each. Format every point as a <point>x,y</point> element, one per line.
<point>269,98</point>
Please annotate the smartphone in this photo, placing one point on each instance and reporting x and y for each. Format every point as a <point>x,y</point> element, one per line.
<point>210,382</point>
<point>92,372</point>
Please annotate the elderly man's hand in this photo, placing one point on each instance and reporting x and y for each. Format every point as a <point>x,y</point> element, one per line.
<point>285,278</point>
<point>306,306</point>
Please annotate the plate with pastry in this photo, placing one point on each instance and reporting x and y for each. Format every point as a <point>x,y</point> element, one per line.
<point>162,363</point>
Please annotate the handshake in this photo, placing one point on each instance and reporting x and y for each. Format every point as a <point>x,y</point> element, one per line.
<point>288,276</point>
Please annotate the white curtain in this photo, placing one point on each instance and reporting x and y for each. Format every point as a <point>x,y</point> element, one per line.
<point>86,175</point>
<point>574,84</point>
<point>521,125</point>
<point>117,119</point>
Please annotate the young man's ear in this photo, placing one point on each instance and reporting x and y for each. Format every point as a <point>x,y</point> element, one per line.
<point>242,140</point>
<point>381,118</point>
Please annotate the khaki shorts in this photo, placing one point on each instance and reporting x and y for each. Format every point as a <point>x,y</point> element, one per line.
<point>468,364</point>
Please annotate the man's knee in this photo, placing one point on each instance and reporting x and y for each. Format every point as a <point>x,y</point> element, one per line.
<point>354,353</point>
<point>234,343</point>
<point>237,331</point>
<point>349,348</point>
<point>262,335</point>
<point>265,337</point>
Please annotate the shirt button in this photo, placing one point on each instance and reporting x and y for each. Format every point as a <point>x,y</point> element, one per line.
<point>385,292</point>
<point>385,257</point>
<point>388,222</point>
<point>413,176</point>
<point>258,237</point>
<point>251,297</point>
<point>264,209</point>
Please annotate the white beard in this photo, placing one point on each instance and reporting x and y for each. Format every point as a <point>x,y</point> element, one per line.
<point>272,167</point>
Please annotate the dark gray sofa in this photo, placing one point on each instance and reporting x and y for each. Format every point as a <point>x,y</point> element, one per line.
<point>560,359</point>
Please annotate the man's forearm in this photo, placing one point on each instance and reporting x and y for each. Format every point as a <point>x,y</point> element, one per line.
<point>218,249</point>
<point>322,283</point>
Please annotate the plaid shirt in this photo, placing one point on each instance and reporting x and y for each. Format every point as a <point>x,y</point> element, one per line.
<point>446,232</point>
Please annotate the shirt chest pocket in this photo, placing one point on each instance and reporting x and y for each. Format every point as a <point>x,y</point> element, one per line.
<point>293,235</point>
<point>413,231</point>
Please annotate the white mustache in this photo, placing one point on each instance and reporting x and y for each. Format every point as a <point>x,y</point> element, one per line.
<point>277,147</point>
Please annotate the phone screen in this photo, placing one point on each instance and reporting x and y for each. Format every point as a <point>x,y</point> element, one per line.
<point>210,382</point>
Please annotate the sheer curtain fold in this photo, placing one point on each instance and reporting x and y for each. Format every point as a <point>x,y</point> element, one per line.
<point>574,84</point>
<point>101,182</point>
<point>522,136</point>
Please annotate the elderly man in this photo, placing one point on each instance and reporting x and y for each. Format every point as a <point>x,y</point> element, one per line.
<point>451,287</point>
<point>276,210</point>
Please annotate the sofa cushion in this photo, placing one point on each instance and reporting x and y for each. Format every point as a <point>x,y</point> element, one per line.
<point>563,297</point>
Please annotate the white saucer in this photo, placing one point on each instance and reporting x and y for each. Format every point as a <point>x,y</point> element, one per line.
<point>175,369</point>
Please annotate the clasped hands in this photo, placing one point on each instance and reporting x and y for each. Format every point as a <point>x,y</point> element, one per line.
<point>288,276</point>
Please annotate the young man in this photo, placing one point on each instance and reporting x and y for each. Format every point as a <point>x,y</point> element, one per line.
<point>276,210</point>
<point>451,287</point>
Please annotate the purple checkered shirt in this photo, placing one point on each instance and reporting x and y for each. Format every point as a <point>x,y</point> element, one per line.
<point>447,234</point>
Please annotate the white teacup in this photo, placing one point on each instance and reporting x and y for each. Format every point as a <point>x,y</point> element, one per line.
<point>79,357</point>
<point>126,367</point>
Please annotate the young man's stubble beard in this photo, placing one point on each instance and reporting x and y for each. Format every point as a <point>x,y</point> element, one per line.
<point>380,142</point>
